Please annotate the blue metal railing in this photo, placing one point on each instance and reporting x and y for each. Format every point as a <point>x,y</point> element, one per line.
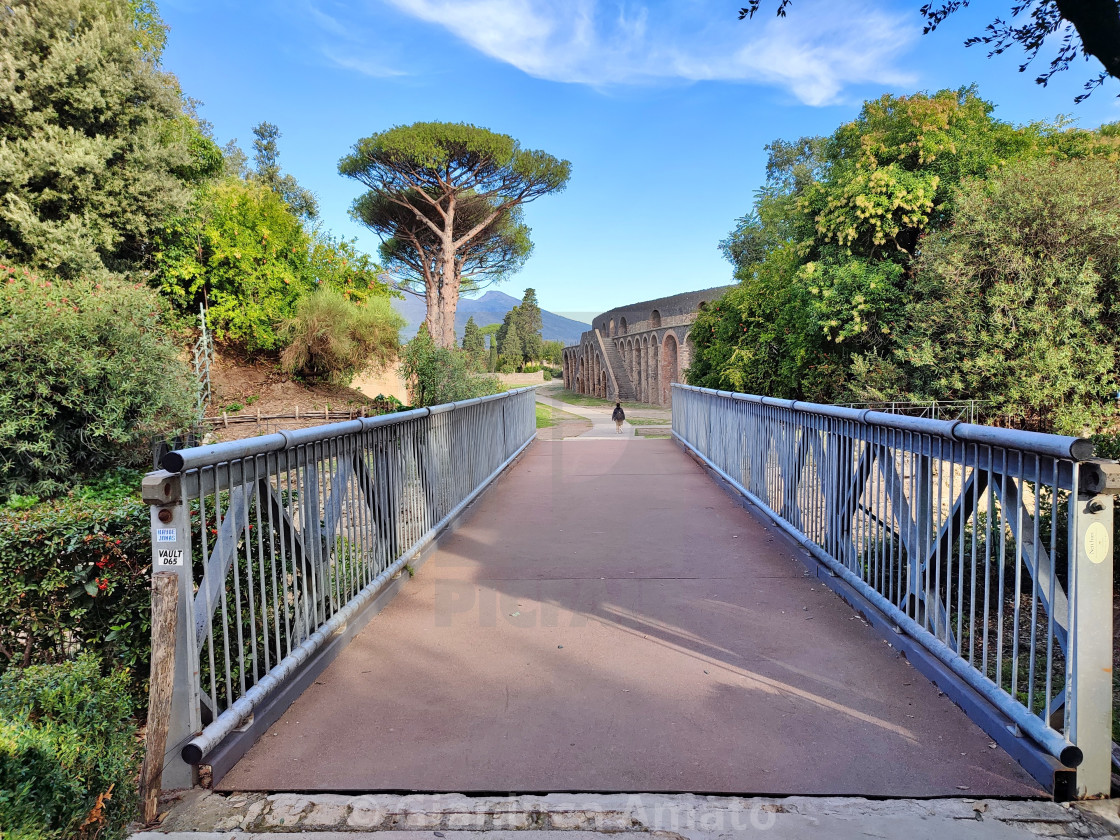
<point>281,540</point>
<point>991,547</point>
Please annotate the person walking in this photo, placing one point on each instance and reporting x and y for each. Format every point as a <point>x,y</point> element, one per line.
<point>618,416</point>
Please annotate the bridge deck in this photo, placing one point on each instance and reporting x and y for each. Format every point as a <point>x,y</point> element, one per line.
<point>606,618</point>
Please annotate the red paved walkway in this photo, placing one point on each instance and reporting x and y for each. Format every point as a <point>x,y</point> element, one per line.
<point>608,619</point>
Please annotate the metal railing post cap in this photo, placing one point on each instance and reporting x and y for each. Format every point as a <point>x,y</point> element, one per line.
<point>161,488</point>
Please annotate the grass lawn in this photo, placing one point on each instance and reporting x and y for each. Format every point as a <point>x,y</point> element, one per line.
<point>548,416</point>
<point>572,398</point>
<point>544,416</point>
<point>648,421</point>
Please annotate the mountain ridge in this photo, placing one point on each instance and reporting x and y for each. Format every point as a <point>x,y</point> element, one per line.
<point>490,308</point>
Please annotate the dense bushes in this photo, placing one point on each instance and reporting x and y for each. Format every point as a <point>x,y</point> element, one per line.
<point>243,250</point>
<point>97,150</point>
<point>923,251</point>
<point>1016,301</point>
<point>68,752</point>
<point>437,375</point>
<point>331,338</point>
<point>86,371</point>
<point>75,572</point>
<point>76,584</point>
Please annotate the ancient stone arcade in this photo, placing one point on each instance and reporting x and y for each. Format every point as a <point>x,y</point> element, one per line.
<point>634,353</point>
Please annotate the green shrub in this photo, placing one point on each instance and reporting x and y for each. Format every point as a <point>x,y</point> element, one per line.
<point>241,247</point>
<point>332,339</point>
<point>244,250</point>
<point>87,372</point>
<point>547,375</point>
<point>387,404</point>
<point>1016,302</point>
<point>68,752</point>
<point>437,375</point>
<point>76,577</point>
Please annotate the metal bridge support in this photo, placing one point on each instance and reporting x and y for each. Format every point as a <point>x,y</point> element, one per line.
<point>171,552</point>
<point>920,571</point>
<point>1090,666</point>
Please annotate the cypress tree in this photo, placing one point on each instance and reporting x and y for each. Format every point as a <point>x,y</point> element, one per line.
<point>509,347</point>
<point>529,324</point>
<point>96,152</point>
<point>472,338</point>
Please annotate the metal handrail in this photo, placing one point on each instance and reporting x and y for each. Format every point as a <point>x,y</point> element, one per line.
<point>967,410</point>
<point>202,361</point>
<point>954,532</point>
<point>282,540</point>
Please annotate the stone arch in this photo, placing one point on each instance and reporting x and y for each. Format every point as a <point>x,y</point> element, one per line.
<point>653,377</point>
<point>622,325</point>
<point>611,333</point>
<point>655,319</point>
<point>669,369</point>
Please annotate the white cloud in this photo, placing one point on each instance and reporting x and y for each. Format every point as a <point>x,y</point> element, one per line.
<point>367,67</point>
<point>815,53</point>
<point>347,44</point>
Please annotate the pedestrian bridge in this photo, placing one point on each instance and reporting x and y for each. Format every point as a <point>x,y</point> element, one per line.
<point>783,599</point>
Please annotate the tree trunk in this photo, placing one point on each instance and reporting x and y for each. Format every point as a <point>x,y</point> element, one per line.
<point>447,296</point>
<point>431,316</point>
<point>442,322</point>
<point>448,300</point>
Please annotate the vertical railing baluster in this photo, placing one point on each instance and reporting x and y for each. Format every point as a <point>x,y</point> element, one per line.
<point>926,514</point>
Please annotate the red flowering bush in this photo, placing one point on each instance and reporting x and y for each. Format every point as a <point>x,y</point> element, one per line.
<point>76,576</point>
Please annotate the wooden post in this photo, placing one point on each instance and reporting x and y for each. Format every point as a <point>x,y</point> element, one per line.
<point>165,609</point>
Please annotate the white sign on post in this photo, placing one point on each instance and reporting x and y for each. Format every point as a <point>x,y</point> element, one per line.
<point>169,557</point>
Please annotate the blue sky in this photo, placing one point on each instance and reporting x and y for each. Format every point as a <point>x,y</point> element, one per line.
<point>662,106</point>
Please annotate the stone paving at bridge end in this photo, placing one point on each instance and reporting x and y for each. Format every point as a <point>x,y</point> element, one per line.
<point>607,619</point>
<point>205,816</point>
